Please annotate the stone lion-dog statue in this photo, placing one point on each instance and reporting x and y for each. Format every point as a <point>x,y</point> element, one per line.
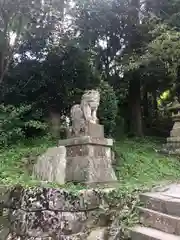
<point>85,112</point>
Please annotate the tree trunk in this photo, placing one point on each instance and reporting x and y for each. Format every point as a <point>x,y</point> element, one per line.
<point>146,111</point>
<point>145,104</point>
<point>134,84</point>
<point>1,66</point>
<point>135,107</point>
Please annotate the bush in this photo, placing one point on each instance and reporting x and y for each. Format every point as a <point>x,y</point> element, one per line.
<point>15,122</point>
<point>108,108</point>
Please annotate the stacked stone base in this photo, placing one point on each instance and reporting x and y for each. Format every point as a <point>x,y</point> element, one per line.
<point>172,147</point>
<point>89,161</point>
<point>57,214</point>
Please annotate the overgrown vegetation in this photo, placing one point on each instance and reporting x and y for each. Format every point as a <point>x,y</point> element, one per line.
<point>148,168</point>
<point>47,62</point>
<point>128,49</point>
<point>51,51</point>
<point>139,163</point>
<point>108,108</point>
<point>16,123</point>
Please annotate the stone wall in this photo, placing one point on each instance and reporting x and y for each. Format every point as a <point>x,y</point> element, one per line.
<point>57,214</point>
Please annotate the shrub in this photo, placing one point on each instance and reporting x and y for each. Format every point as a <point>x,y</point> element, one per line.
<point>15,122</point>
<point>108,108</point>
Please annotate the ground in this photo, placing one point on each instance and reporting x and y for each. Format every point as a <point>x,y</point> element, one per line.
<point>137,162</point>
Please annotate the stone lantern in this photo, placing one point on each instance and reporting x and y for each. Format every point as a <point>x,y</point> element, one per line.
<point>173,142</point>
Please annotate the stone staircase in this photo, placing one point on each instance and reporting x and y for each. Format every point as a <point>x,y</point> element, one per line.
<point>159,218</point>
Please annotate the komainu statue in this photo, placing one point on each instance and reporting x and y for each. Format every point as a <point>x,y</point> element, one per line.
<point>85,112</point>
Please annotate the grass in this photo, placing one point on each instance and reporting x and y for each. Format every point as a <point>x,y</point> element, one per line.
<point>13,165</point>
<point>137,164</point>
<point>140,164</point>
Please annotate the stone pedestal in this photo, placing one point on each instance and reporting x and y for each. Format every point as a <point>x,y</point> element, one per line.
<point>90,129</point>
<point>172,145</point>
<point>89,160</point>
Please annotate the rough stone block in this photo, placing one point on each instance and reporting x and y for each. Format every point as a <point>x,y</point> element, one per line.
<point>86,200</point>
<point>86,140</point>
<point>94,130</point>
<point>173,139</point>
<point>79,236</point>
<point>89,160</point>
<point>90,129</point>
<point>176,125</point>
<point>51,166</point>
<point>89,150</point>
<point>34,199</point>
<point>56,214</point>
<point>46,223</point>
<point>175,132</point>
<point>54,199</point>
<point>89,170</point>
<point>98,234</point>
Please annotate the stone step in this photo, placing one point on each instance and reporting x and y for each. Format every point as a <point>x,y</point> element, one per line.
<point>145,233</point>
<point>160,202</point>
<point>160,221</point>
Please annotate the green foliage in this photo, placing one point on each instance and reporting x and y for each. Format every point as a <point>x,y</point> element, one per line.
<point>14,123</point>
<point>139,168</point>
<point>148,169</point>
<point>108,108</point>
<point>139,163</point>
<point>53,84</point>
<point>52,66</point>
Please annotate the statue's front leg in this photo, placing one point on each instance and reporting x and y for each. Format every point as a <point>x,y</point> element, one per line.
<point>94,115</point>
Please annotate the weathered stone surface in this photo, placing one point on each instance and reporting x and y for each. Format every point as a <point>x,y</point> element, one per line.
<point>51,166</point>
<point>175,133</point>
<point>89,170</point>
<point>78,150</point>
<point>86,140</point>
<point>173,139</point>
<point>84,113</point>
<point>160,221</point>
<point>161,203</point>
<point>61,200</point>
<point>46,223</point>
<point>88,129</point>
<point>94,130</point>
<point>89,160</point>
<point>53,214</point>
<point>89,150</point>
<point>79,236</point>
<point>36,199</point>
<point>172,147</point>
<point>144,233</point>
<point>98,234</point>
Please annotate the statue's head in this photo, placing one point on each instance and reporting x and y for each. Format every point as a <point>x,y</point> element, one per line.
<point>92,98</point>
